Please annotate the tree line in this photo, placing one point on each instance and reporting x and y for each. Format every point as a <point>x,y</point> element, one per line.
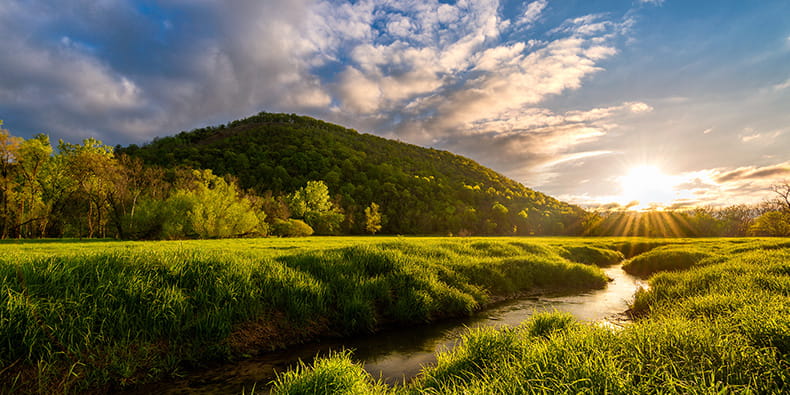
<point>768,218</point>
<point>94,190</point>
<point>87,190</point>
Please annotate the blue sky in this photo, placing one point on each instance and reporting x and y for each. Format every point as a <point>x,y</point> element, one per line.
<point>567,97</point>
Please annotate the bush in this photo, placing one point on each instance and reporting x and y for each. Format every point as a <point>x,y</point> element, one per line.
<point>291,228</point>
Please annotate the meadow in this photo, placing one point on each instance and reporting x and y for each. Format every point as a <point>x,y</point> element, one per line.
<point>78,315</point>
<point>104,315</point>
<point>716,319</point>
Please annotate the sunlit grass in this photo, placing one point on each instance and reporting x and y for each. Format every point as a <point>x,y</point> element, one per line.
<point>716,319</point>
<point>79,314</point>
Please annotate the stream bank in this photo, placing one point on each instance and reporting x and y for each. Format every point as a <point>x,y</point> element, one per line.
<point>398,354</point>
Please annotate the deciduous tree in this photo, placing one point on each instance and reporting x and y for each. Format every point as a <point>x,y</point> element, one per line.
<point>373,218</point>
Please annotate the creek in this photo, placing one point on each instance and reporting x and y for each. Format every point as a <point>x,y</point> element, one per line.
<point>397,355</point>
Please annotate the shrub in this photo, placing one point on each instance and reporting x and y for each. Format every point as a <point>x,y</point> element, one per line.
<point>291,228</point>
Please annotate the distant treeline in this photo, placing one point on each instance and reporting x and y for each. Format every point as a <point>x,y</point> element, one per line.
<point>770,218</point>
<point>285,175</point>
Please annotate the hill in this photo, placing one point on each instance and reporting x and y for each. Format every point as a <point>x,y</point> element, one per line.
<point>420,190</point>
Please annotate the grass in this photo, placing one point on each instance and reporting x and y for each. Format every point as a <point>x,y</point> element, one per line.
<point>716,319</point>
<point>104,315</point>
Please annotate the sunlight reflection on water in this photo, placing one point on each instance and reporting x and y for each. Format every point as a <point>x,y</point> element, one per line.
<point>398,354</point>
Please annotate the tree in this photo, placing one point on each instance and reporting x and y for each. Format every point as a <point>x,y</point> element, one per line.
<point>772,223</point>
<point>312,203</point>
<point>499,215</point>
<point>9,146</point>
<point>32,207</point>
<point>736,220</point>
<point>373,218</point>
<point>134,183</point>
<point>312,197</point>
<point>782,199</point>
<point>213,208</point>
<point>88,167</point>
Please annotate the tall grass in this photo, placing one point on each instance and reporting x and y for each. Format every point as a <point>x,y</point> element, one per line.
<point>336,374</point>
<point>717,321</point>
<point>140,311</point>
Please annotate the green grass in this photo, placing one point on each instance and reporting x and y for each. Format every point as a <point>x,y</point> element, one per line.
<point>716,319</point>
<point>336,374</point>
<point>78,315</point>
<point>101,315</point>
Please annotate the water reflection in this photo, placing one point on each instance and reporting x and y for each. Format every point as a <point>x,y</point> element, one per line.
<point>398,354</point>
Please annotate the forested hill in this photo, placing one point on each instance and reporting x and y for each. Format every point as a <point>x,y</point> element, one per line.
<point>419,190</point>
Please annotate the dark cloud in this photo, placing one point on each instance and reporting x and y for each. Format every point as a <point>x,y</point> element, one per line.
<point>127,73</point>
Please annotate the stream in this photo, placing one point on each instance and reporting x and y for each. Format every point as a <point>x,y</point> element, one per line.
<point>397,355</point>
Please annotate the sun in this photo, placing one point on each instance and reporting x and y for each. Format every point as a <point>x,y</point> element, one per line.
<point>646,186</point>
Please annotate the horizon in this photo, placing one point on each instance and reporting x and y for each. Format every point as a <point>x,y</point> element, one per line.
<point>584,101</point>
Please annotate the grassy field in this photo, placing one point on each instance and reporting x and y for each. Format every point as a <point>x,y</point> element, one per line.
<point>78,315</point>
<point>101,315</point>
<point>716,319</point>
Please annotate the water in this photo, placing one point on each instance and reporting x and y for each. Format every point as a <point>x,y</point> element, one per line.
<point>397,355</point>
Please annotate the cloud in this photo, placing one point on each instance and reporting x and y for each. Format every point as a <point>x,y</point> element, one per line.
<point>182,65</point>
<point>773,172</point>
<point>752,135</point>
<point>729,186</point>
<point>529,144</point>
<point>533,12</point>
<point>782,86</point>
<point>706,187</point>
<point>458,76</point>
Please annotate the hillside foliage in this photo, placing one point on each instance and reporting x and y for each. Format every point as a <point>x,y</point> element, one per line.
<point>417,190</point>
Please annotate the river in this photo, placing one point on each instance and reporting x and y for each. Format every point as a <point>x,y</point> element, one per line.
<point>398,354</point>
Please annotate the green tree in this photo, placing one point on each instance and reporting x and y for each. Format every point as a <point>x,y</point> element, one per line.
<point>312,197</point>
<point>213,208</point>
<point>134,183</point>
<point>9,145</point>
<point>313,204</point>
<point>33,208</point>
<point>772,223</point>
<point>88,166</point>
<point>373,218</point>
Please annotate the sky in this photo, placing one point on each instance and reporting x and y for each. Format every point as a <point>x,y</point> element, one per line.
<point>606,104</point>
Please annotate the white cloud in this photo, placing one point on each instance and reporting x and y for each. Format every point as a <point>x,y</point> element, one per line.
<point>447,13</point>
<point>399,27</point>
<point>639,107</point>
<point>783,85</point>
<point>533,11</point>
<point>751,135</point>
